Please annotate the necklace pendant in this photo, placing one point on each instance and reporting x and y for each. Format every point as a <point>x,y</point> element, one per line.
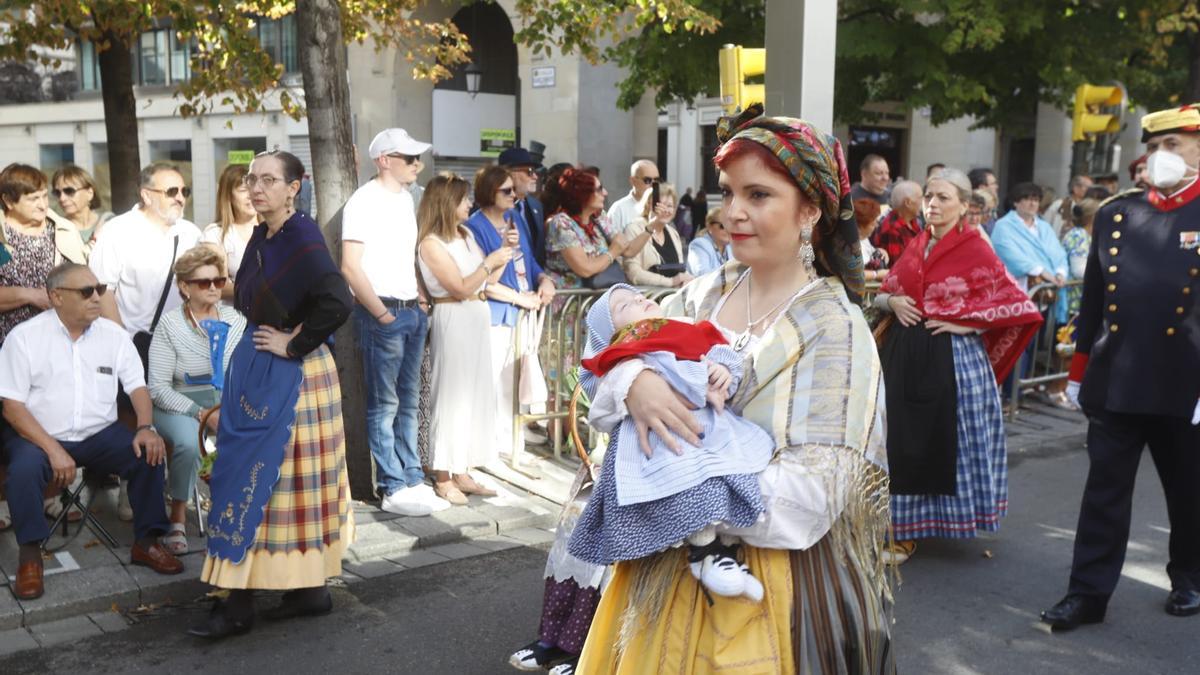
<point>740,343</point>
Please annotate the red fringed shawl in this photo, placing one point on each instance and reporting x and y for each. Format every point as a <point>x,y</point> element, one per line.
<point>963,282</point>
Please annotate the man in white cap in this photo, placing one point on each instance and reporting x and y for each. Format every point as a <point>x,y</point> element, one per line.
<point>379,241</point>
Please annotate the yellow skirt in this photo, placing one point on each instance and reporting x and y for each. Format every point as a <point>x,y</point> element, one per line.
<point>820,615</point>
<point>308,522</point>
<point>734,636</point>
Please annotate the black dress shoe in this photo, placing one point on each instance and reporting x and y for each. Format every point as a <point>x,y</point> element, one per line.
<point>1075,610</point>
<point>1183,603</point>
<point>221,625</point>
<point>301,602</point>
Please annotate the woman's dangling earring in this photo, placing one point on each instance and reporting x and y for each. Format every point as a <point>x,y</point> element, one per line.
<point>807,256</point>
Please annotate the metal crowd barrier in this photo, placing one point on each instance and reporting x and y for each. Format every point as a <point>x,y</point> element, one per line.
<point>1046,360</point>
<point>562,341</point>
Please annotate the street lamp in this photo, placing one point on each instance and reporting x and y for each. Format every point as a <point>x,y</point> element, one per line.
<point>474,75</point>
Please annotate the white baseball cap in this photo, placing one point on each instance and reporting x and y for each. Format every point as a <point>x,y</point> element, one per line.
<point>390,141</point>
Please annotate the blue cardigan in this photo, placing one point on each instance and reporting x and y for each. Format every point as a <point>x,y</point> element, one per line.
<point>504,313</point>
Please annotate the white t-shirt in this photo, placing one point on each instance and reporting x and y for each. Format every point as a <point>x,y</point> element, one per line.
<point>623,212</point>
<point>385,223</point>
<point>233,245</point>
<point>133,257</point>
<point>70,387</point>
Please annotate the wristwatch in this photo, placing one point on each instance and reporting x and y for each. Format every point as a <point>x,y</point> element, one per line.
<point>145,427</point>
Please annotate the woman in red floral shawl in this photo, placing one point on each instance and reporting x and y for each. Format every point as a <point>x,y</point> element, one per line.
<point>961,324</point>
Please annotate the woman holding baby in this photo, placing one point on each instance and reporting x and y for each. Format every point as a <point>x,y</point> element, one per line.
<point>789,306</point>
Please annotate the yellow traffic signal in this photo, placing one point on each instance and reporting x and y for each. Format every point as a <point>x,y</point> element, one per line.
<point>1087,118</point>
<point>738,63</point>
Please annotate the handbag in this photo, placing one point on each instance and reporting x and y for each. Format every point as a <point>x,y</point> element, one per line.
<point>668,269</point>
<point>610,276</point>
<point>142,338</point>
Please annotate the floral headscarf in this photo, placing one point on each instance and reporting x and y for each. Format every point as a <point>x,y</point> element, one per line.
<point>817,164</point>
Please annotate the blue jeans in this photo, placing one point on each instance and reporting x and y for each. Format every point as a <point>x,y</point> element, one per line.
<point>108,451</point>
<point>391,357</point>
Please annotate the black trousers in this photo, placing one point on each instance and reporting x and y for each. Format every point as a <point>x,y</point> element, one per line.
<point>1115,443</point>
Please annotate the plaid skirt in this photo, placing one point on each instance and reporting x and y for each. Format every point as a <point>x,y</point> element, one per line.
<point>981,483</point>
<point>307,523</point>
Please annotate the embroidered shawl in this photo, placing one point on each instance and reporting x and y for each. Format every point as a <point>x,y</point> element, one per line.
<point>962,281</point>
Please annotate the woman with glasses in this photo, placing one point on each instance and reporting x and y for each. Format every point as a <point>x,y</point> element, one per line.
<point>711,248</point>
<point>79,200</point>
<point>235,220</point>
<point>662,262</point>
<point>188,358</point>
<point>523,284</point>
<point>34,241</point>
<point>581,241</point>
<point>281,516</point>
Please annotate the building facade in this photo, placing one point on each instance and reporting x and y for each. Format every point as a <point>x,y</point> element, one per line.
<point>561,101</point>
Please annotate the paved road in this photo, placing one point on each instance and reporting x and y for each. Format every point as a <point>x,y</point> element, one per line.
<point>959,611</point>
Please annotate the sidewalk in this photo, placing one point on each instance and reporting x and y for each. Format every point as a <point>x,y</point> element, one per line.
<point>86,578</point>
<point>89,587</point>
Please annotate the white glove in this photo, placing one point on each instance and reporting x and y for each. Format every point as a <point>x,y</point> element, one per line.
<point>1073,392</point>
<point>1196,414</point>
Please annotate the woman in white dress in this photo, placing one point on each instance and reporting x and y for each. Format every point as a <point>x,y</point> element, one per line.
<point>456,272</point>
<point>236,219</point>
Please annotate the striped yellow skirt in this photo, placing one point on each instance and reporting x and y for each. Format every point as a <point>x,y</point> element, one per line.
<point>308,522</point>
<point>817,617</point>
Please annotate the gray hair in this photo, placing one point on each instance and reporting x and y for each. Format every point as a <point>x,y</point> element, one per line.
<point>633,168</point>
<point>146,177</point>
<point>956,178</point>
<point>903,191</point>
<point>58,276</point>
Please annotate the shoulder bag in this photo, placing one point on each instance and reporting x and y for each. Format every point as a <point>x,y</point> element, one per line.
<point>141,339</point>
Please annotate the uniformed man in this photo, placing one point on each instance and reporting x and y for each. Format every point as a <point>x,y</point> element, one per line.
<point>1136,371</point>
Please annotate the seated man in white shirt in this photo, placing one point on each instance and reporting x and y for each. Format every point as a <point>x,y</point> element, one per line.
<point>58,380</point>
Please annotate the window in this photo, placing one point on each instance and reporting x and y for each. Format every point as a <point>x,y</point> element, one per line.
<point>178,153</point>
<point>152,61</point>
<point>278,38</point>
<point>89,67</point>
<point>181,59</point>
<point>55,155</point>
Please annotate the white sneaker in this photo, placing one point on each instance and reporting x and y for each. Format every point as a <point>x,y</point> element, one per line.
<point>754,587</point>
<point>425,494</point>
<point>722,575</point>
<point>405,502</point>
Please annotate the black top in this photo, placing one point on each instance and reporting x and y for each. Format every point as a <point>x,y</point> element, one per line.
<point>1138,319</point>
<point>289,280</point>
<point>666,251</point>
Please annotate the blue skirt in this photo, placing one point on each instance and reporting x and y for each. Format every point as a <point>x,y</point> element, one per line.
<point>981,494</point>
<point>608,532</point>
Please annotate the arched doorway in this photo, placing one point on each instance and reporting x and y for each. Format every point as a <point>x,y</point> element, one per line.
<point>469,132</point>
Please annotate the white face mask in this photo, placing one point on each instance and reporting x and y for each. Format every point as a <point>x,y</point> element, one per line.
<point>1165,169</point>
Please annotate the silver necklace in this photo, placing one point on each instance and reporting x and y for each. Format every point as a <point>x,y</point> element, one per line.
<point>743,338</point>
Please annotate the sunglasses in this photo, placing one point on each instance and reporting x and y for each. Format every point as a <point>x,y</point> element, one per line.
<point>205,284</point>
<point>507,192</point>
<point>410,159</point>
<point>599,188</point>
<point>173,192</point>
<point>86,291</point>
<point>649,181</point>
<point>67,192</point>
